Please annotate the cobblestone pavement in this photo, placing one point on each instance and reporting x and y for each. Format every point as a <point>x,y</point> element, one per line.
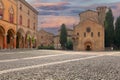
<point>59,65</point>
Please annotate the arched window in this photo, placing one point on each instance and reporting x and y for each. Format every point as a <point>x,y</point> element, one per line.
<point>91,34</point>
<point>1,10</point>
<point>84,34</point>
<point>20,6</point>
<point>11,15</point>
<point>77,34</point>
<point>98,34</point>
<point>88,29</point>
<point>20,20</point>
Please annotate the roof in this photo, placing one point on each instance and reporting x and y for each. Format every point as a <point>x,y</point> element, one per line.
<point>87,11</point>
<point>45,31</point>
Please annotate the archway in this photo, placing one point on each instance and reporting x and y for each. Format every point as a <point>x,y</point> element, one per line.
<point>10,38</point>
<point>20,39</point>
<point>28,40</point>
<point>34,42</point>
<point>88,46</point>
<point>2,33</point>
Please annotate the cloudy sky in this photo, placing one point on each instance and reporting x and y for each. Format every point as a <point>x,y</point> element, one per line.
<point>52,13</point>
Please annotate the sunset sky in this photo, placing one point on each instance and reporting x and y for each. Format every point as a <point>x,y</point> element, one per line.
<point>52,13</point>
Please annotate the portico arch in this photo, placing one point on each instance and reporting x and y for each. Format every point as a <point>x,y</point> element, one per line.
<point>20,38</point>
<point>11,39</point>
<point>2,33</point>
<point>28,40</point>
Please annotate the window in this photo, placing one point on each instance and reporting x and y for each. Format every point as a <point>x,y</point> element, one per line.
<point>88,30</point>
<point>20,19</point>
<point>28,12</point>
<point>1,10</point>
<point>91,34</point>
<point>20,6</point>
<point>77,38</point>
<point>84,34</point>
<point>1,13</point>
<point>77,34</point>
<point>28,23</point>
<point>11,18</point>
<point>98,34</point>
<point>11,15</point>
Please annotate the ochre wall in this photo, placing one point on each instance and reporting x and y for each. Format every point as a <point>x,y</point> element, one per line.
<point>97,42</point>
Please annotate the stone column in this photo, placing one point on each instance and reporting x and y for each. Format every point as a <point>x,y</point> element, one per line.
<point>5,41</point>
<point>14,42</point>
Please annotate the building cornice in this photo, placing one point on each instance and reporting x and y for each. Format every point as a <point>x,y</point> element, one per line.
<point>29,6</point>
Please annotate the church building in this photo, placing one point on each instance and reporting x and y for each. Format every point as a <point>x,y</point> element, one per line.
<point>89,33</point>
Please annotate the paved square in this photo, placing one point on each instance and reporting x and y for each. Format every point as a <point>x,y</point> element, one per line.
<point>59,65</point>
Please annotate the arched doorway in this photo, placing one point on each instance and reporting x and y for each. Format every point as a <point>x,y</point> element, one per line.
<point>88,46</point>
<point>10,38</point>
<point>20,39</point>
<point>2,33</point>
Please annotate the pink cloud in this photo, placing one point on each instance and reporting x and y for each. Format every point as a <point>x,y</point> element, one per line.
<point>56,21</point>
<point>50,4</point>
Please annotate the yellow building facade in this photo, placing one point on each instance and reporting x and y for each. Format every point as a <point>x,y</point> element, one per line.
<point>18,24</point>
<point>27,22</point>
<point>8,21</point>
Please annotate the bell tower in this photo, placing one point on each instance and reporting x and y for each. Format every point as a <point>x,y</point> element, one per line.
<point>101,14</point>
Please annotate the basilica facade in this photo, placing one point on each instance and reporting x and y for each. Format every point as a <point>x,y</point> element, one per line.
<point>89,33</point>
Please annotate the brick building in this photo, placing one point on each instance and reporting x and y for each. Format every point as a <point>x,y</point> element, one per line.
<point>45,38</point>
<point>89,33</point>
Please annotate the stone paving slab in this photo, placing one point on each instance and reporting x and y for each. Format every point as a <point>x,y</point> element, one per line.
<point>24,54</point>
<point>84,65</point>
<point>101,68</point>
<point>40,60</point>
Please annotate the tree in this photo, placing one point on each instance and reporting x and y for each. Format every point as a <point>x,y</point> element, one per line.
<point>63,36</point>
<point>69,45</point>
<point>33,40</point>
<point>117,32</point>
<point>29,40</point>
<point>109,29</point>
